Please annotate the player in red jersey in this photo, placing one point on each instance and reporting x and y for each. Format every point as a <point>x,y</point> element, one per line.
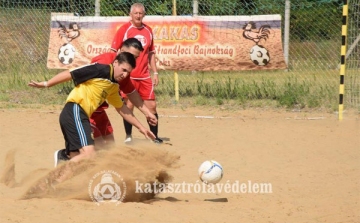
<point>140,76</point>
<point>100,123</point>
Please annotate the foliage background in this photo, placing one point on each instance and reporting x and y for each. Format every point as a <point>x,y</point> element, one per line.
<point>311,81</point>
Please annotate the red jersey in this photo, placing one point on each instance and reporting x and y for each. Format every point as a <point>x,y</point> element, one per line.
<point>145,36</point>
<point>105,58</point>
<point>126,85</point>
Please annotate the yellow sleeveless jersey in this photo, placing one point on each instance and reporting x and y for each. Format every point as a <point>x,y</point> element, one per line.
<point>94,84</point>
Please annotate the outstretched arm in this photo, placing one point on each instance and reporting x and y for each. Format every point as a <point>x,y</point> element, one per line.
<point>127,114</point>
<point>59,78</point>
<point>136,100</point>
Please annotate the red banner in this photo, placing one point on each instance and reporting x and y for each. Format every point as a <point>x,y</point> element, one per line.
<point>182,42</point>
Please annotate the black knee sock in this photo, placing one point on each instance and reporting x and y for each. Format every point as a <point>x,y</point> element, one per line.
<point>154,129</point>
<point>128,127</point>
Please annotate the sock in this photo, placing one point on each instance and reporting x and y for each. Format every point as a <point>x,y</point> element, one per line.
<point>64,154</point>
<point>154,129</point>
<point>128,127</point>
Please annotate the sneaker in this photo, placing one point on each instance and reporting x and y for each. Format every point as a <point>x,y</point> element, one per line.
<point>128,139</point>
<point>59,156</point>
<point>158,140</point>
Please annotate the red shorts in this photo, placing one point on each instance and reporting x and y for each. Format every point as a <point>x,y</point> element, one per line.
<point>145,88</point>
<point>100,124</point>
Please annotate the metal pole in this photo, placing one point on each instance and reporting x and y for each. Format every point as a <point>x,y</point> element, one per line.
<point>287,32</point>
<point>174,7</point>
<point>97,7</point>
<point>176,81</point>
<point>344,32</point>
<point>195,7</point>
<point>176,77</point>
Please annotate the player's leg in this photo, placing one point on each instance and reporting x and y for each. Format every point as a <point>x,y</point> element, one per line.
<point>104,136</point>
<point>77,132</point>
<point>86,152</point>
<point>109,139</point>
<point>127,125</point>
<point>64,155</point>
<point>65,171</point>
<point>146,91</point>
<point>151,104</point>
<point>61,156</point>
<point>96,133</point>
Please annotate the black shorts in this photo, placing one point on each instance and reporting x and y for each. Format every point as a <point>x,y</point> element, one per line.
<point>75,126</point>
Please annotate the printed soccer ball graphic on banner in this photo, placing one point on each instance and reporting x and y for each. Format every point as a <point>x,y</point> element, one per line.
<point>259,55</point>
<point>210,172</point>
<point>66,54</point>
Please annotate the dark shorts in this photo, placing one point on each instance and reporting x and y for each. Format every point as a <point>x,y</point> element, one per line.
<point>75,126</point>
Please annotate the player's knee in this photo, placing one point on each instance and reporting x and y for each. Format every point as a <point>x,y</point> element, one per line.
<point>87,152</point>
<point>151,105</point>
<point>73,154</point>
<point>129,105</point>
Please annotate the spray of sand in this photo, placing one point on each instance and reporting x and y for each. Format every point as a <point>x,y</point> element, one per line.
<point>143,164</point>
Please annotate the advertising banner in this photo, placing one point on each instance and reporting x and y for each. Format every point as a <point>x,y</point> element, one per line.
<point>202,43</point>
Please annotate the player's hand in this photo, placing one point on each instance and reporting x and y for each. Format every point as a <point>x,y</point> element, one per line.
<point>37,84</point>
<point>152,120</point>
<point>147,133</point>
<point>155,80</point>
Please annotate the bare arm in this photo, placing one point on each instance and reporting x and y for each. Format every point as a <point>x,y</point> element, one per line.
<point>127,114</point>
<point>152,63</point>
<point>59,78</point>
<point>136,100</point>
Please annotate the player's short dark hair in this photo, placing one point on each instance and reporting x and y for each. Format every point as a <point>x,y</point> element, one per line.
<point>133,42</point>
<point>126,57</point>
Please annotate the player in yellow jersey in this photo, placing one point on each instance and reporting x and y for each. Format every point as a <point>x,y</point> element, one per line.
<point>94,84</point>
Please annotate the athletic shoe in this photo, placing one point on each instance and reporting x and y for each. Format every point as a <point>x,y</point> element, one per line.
<point>158,140</point>
<point>59,156</point>
<point>128,139</point>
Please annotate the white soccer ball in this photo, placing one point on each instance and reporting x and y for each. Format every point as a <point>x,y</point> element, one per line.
<point>210,172</point>
<point>66,54</point>
<point>259,55</point>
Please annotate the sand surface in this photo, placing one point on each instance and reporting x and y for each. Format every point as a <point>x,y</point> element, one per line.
<point>311,161</point>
